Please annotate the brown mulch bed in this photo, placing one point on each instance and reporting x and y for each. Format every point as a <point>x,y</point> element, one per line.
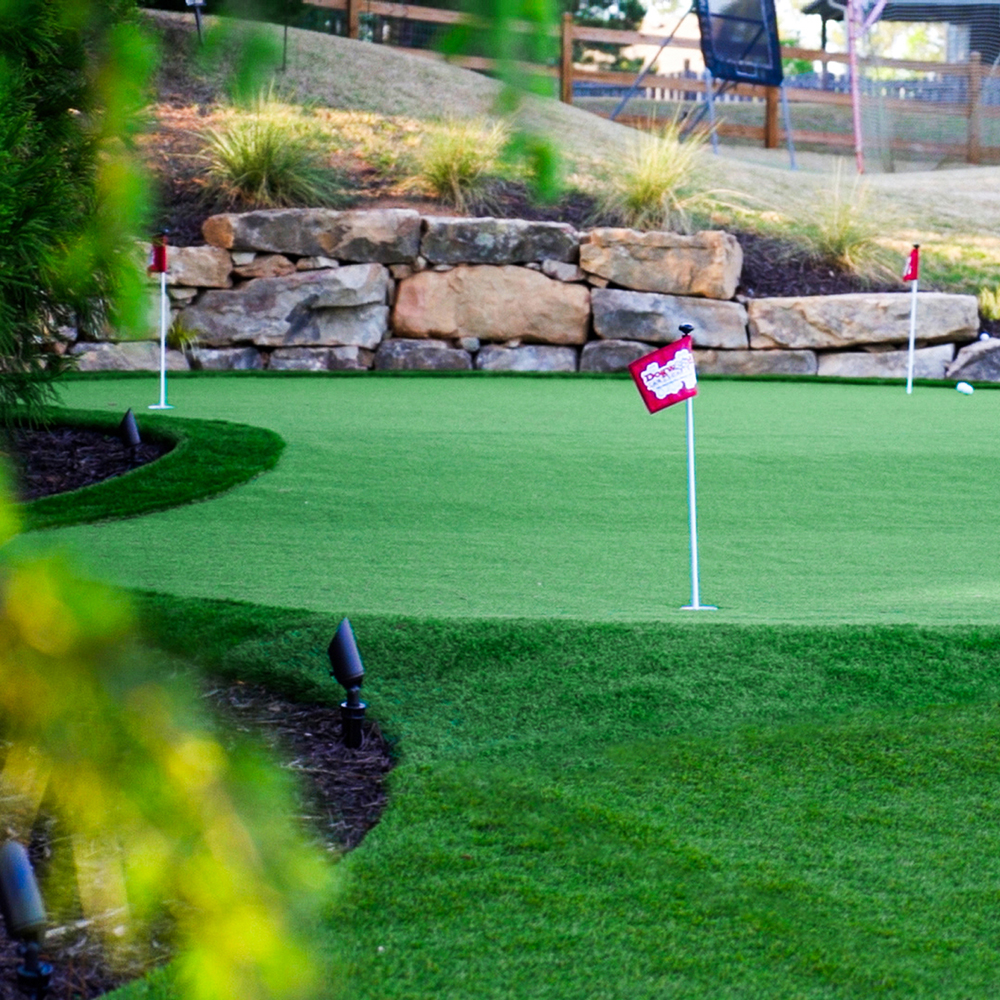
<point>58,459</point>
<point>343,791</point>
<point>343,795</point>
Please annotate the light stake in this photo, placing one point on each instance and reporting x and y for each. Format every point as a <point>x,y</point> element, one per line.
<point>346,668</point>
<point>24,917</point>
<point>128,431</point>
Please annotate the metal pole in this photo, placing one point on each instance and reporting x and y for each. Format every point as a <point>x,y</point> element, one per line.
<point>163,405</point>
<point>913,337</point>
<point>787,115</point>
<point>695,604</point>
<point>852,48</point>
<point>710,99</point>
<point>652,63</point>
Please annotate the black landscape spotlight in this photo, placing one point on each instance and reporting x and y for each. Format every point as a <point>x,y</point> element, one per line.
<point>24,917</point>
<point>346,668</point>
<point>128,431</point>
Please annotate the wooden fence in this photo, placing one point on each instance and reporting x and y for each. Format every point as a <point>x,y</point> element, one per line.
<point>770,133</point>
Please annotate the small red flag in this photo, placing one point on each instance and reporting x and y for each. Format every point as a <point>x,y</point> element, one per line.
<point>666,376</point>
<point>158,256</point>
<point>912,265</point>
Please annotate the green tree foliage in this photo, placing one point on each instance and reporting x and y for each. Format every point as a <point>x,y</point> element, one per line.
<point>72,78</point>
<point>164,818</point>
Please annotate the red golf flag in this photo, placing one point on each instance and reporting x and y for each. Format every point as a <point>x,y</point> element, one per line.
<point>912,265</point>
<point>666,376</point>
<point>158,256</point>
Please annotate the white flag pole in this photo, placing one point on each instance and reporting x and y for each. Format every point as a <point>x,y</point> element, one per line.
<point>164,312</point>
<point>913,328</point>
<point>695,604</point>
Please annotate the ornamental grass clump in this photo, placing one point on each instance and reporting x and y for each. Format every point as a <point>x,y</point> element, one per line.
<point>843,230</point>
<point>989,303</point>
<point>658,183</point>
<point>269,155</point>
<point>460,161</point>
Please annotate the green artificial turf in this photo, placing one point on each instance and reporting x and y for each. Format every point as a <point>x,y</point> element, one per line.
<point>647,810</point>
<point>207,457</point>
<point>599,795</point>
<point>533,497</point>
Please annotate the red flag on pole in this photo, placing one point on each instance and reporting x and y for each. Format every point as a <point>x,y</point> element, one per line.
<point>158,256</point>
<point>913,264</point>
<point>666,376</point>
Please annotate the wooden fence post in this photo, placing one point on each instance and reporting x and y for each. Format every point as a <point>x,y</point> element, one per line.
<point>353,10</point>
<point>974,148</point>
<point>772,138</point>
<point>566,60</point>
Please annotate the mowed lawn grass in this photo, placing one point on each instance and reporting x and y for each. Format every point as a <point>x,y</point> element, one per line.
<point>598,795</point>
<point>559,497</point>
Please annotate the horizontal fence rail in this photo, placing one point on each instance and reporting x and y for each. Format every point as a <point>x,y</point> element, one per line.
<point>967,92</point>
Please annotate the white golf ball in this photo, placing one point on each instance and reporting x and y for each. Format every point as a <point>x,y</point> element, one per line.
<point>965,389</point>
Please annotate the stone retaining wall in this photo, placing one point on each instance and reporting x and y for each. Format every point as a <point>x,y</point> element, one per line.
<point>316,289</point>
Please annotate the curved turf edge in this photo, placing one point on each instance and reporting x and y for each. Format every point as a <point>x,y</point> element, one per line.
<point>208,458</point>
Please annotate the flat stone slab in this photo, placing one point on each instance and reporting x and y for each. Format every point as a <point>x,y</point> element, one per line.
<point>756,362</point>
<point>611,355</point>
<point>928,362</point>
<point>226,359</point>
<point>654,319</point>
<point>533,358</point>
<point>825,322</point>
<point>320,359</point>
<point>706,264</point>
<point>385,236</point>
<point>492,303</point>
<point>130,356</point>
<point>978,362</point>
<point>496,241</point>
<point>195,267</point>
<point>402,354</point>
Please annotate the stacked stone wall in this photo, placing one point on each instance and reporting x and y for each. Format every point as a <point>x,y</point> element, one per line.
<point>318,289</point>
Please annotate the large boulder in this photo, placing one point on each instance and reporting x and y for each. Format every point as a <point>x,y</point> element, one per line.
<point>706,264</point>
<point>928,362</point>
<point>401,354</point>
<point>492,303</point>
<point>496,241</point>
<point>309,308</point>
<point>978,362</point>
<point>131,356</point>
<point>534,358</point>
<point>755,362</point>
<point>825,322</point>
<point>623,315</point>
<point>387,236</point>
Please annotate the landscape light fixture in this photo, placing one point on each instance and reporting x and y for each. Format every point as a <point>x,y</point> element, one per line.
<point>346,669</point>
<point>128,431</point>
<point>24,917</point>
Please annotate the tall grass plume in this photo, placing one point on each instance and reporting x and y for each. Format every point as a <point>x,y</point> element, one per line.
<point>658,184</point>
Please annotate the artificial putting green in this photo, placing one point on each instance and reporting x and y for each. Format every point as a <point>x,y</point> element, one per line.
<point>793,799</point>
<point>556,497</point>
<point>645,810</point>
